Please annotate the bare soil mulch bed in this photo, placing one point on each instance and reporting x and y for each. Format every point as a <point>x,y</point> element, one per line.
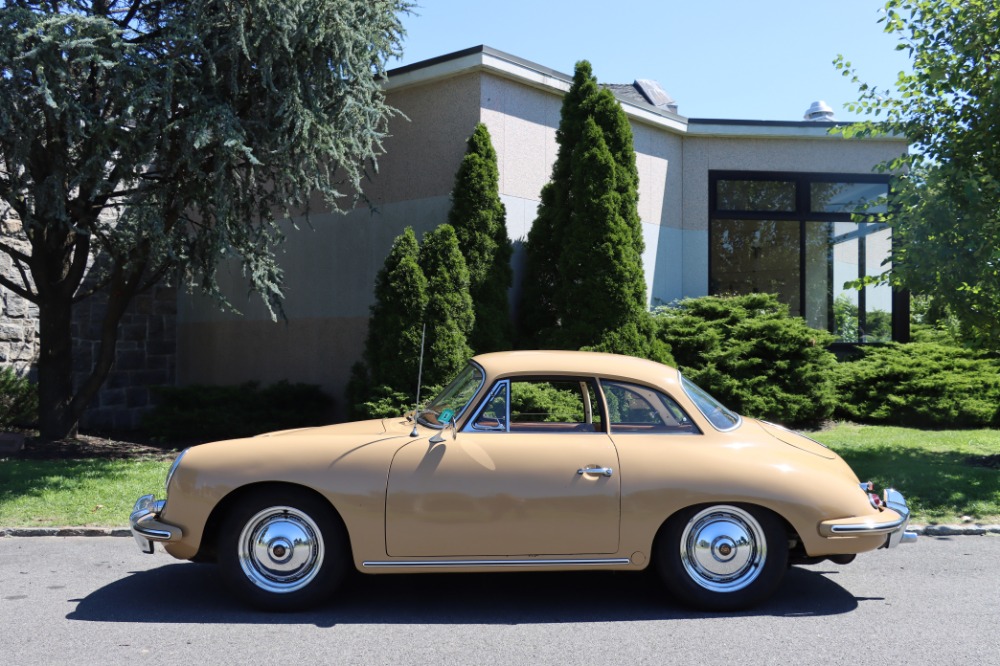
<point>93,446</point>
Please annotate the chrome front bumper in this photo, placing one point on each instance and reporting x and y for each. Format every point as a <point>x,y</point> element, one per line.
<point>894,528</point>
<point>146,526</point>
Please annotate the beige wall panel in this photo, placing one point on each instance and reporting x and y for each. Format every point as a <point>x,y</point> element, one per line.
<point>315,351</point>
<point>522,122</point>
<point>423,153</point>
<point>330,265</point>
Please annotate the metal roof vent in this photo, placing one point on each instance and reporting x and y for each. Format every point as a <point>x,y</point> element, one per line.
<point>819,111</point>
<point>655,95</point>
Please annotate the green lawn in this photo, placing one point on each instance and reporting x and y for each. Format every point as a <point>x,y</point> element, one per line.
<point>943,475</point>
<point>75,493</point>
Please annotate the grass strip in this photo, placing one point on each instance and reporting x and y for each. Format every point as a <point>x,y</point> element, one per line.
<point>75,493</point>
<point>945,475</point>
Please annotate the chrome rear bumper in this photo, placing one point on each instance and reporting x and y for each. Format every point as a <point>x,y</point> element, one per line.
<point>894,529</point>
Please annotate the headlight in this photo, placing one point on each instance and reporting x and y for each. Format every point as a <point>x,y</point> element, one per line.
<point>173,468</point>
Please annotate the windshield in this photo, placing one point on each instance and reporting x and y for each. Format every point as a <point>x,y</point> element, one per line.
<point>452,401</point>
<point>714,411</point>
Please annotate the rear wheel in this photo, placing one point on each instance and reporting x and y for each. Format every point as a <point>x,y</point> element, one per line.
<point>283,550</point>
<point>722,557</point>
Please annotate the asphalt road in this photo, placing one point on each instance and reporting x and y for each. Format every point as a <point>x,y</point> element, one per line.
<point>81,600</point>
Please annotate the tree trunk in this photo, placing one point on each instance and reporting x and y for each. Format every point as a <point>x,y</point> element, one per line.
<point>55,368</point>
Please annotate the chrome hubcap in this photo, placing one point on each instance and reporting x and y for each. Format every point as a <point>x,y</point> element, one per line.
<point>281,549</point>
<point>723,548</point>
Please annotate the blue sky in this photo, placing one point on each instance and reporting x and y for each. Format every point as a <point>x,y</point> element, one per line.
<point>746,59</point>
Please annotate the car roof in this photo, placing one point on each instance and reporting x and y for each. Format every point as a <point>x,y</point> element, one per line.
<point>541,362</point>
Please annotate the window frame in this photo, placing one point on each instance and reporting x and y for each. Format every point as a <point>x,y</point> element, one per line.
<point>803,215</point>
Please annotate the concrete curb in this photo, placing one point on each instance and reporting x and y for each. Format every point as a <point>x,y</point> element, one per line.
<point>924,530</point>
<point>64,531</point>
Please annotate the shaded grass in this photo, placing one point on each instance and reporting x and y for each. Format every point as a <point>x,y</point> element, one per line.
<point>945,475</point>
<point>75,493</point>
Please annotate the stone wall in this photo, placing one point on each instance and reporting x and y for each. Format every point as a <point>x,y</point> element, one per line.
<point>145,355</point>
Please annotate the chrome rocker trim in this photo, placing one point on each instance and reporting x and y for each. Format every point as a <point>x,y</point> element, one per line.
<point>444,564</point>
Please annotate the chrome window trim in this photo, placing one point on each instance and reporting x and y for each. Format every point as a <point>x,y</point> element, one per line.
<point>470,425</point>
<point>685,382</point>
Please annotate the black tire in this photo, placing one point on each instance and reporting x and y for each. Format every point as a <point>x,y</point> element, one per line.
<point>722,557</point>
<point>282,550</point>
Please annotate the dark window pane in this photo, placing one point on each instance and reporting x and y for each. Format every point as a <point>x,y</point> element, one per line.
<point>869,198</point>
<point>751,256</point>
<point>756,195</point>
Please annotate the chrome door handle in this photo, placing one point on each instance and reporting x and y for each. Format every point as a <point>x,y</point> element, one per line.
<point>603,471</point>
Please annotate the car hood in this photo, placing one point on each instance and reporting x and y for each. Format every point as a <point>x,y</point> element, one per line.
<point>792,438</point>
<point>371,427</point>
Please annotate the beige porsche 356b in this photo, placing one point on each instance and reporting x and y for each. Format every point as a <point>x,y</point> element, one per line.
<point>527,461</point>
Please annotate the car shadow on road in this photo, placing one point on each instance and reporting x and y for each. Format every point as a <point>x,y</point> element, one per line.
<point>193,593</point>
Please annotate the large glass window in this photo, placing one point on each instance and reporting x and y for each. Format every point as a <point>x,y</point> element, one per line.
<point>805,237</point>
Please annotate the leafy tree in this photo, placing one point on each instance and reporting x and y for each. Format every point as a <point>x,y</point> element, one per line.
<point>584,282</point>
<point>479,219</point>
<point>166,135</point>
<point>392,348</point>
<point>449,314</point>
<point>947,226</point>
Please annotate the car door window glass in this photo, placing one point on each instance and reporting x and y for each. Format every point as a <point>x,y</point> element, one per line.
<point>639,409</point>
<point>540,404</point>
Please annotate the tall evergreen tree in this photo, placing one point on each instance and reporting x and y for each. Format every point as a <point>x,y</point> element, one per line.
<point>537,313</point>
<point>584,282</point>
<point>449,314</point>
<point>601,286</point>
<point>479,219</point>
<point>392,349</point>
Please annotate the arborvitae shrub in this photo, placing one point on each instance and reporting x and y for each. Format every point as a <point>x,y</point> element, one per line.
<point>921,385</point>
<point>479,219</point>
<point>749,353</point>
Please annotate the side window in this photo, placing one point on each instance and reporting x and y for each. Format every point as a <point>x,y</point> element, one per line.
<point>541,404</point>
<point>494,416</point>
<point>638,409</point>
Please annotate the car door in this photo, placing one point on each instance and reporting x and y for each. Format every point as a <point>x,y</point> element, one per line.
<point>514,482</point>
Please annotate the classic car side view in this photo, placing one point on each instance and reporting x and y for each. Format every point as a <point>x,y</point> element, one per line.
<point>529,460</point>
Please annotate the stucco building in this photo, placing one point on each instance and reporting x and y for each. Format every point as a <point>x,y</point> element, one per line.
<point>726,206</point>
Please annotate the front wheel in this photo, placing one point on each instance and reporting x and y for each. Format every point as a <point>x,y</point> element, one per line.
<point>722,557</point>
<point>282,550</point>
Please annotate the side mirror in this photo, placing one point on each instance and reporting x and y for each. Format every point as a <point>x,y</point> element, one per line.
<point>439,437</point>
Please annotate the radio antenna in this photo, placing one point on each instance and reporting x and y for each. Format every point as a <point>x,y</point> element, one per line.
<point>420,374</point>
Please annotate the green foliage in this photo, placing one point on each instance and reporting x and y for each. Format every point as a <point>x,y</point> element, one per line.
<point>946,225</point>
<point>202,412</point>
<point>921,385</point>
<point>529,400</point>
<point>166,136</point>
<point>449,314</point>
<point>18,399</point>
<point>392,348</point>
<point>878,323</point>
<point>479,219</point>
<point>383,402</point>
<point>584,282</point>
<point>748,352</point>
